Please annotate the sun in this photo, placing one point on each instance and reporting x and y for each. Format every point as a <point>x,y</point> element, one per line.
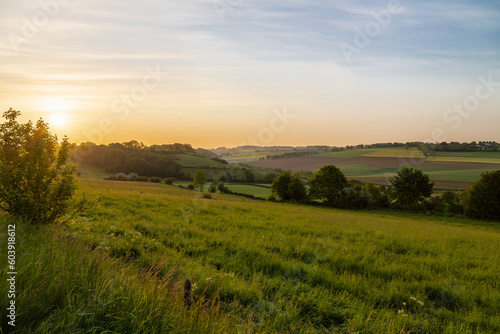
<point>58,120</point>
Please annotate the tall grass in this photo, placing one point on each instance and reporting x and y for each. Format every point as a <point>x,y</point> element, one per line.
<point>257,268</point>
<point>62,287</point>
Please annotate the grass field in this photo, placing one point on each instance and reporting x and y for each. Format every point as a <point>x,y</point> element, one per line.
<point>256,268</point>
<point>256,191</point>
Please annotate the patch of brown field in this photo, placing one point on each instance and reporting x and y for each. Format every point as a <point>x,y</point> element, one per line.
<point>313,163</point>
<point>437,183</point>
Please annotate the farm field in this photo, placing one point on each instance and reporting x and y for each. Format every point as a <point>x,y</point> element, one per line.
<point>459,169</point>
<point>272,267</point>
<point>257,191</point>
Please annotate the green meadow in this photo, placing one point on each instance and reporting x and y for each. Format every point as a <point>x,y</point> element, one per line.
<point>256,267</point>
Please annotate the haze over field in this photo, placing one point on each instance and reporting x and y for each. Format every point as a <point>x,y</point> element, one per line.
<point>219,72</point>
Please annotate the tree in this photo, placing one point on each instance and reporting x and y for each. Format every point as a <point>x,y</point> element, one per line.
<point>279,187</point>
<point>410,186</point>
<point>327,183</point>
<point>213,186</point>
<point>296,190</point>
<point>37,180</point>
<point>288,188</point>
<point>482,200</point>
<point>199,179</point>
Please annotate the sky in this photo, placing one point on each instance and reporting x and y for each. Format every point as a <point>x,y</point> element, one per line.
<point>233,72</point>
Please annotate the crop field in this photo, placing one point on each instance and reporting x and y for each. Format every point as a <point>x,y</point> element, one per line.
<point>460,169</point>
<point>260,267</point>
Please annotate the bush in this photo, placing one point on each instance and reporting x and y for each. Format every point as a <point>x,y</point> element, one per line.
<point>37,180</point>
<point>213,187</point>
<point>170,180</point>
<point>155,179</point>
<point>142,179</point>
<point>132,177</point>
<point>190,186</point>
<point>121,177</point>
<point>207,195</point>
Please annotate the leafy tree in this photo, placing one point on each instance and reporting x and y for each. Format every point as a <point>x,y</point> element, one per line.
<point>279,187</point>
<point>411,185</point>
<point>482,200</point>
<point>288,188</point>
<point>37,180</point>
<point>249,176</point>
<point>327,183</point>
<point>296,190</point>
<point>199,179</point>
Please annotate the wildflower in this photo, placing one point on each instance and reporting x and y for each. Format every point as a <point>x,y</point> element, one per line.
<point>404,315</point>
<point>401,311</point>
<point>404,304</point>
<point>420,302</point>
<point>413,298</point>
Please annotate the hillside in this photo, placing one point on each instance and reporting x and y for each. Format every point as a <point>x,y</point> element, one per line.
<point>447,169</point>
<point>261,267</point>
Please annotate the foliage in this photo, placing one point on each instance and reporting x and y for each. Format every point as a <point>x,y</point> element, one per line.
<point>170,180</point>
<point>327,183</point>
<point>155,179</point>
<point>37,180</point>
<point>411,186</point>
<point>482,200</point>
<point>213,186</point>
<point>296,190</point>
<point>279,187</point>
<point>288,188</point>
<point>199,179</point>
<point>249,176</point>
<point>133,157</point>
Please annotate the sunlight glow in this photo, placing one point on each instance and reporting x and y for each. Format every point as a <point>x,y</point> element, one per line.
<point>57,120</point>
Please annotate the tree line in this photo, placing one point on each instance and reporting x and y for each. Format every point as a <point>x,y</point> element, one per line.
<point>133,157</point>
<point>410,190</point>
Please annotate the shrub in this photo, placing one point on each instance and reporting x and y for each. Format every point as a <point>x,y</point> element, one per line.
<point>155,179</point>
<point>142,179</point>
<point>170,180</point>
<point>207,195</point>
<point>213,187</point>
<point>190,186</point>
<point>37,180</point>
<point>121,177</point>
<point>132,177</point>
